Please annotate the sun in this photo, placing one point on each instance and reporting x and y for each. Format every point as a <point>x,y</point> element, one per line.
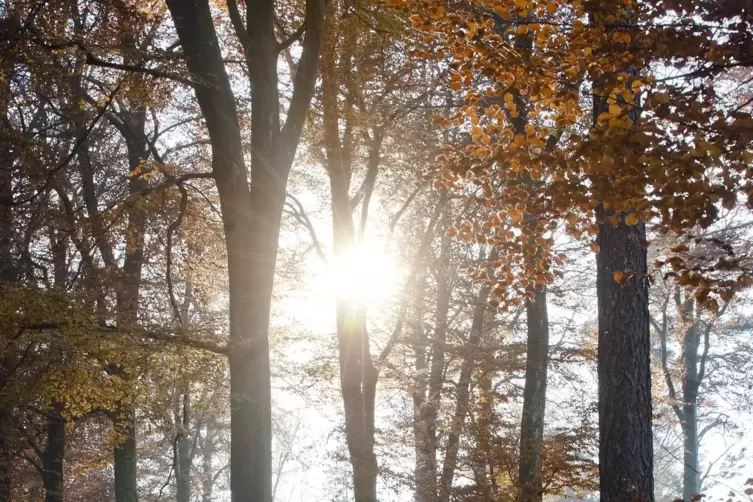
<point>364,274</point>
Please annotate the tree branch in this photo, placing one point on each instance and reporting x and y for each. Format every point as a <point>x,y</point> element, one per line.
<point>296,35</point>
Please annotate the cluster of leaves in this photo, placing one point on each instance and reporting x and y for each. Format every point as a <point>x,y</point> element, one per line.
<point>570,106</point>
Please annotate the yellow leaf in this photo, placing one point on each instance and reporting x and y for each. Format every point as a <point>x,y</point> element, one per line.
<point>521,3</point>
<point>614,109</point>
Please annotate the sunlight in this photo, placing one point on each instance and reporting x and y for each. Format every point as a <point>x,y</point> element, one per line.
<point>364,274</point>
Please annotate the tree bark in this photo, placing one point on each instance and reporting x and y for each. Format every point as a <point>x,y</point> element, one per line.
<point>423,472</point>
<point>690,385</point>
<point>53,458</point>
<point>534,399</point>
<point>8,275</point>
<point>624,372</point>
<point>207,452</point>
<point>358,376</point>
<point>462,398</point>
<point>184,455</point>
<point>251,214</point>
<point>126,481</point>
<point>429,411</point>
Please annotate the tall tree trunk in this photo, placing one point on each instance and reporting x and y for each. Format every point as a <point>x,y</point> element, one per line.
<point>207,453</point>
<point>424,471</point>
<point>251,214</point>
<point>6,452</point>
<point>626,456</point>
<point>625,437</point>
<point>125,455</point>
<point>690,385</point>
<point>534,399</point>
<point>429,410</point>
<point>53,457</point>
<point>8,275</point>
<point>483,471</point>
<point>358,376</point>
<point>183,447</point>
<point>125,460</point>
<point>357,373</point>
<point>462,398</point>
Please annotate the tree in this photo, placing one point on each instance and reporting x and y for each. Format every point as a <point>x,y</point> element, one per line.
<point>251,211</point>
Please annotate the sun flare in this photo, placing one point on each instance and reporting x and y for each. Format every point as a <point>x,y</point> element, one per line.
<point>364,274</point>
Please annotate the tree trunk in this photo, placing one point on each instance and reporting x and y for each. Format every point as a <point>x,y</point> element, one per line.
<point>482,470</point>
<point>690,386</point>
<point>126,482</point>
<point>625,438</point>
<point>534,399</point>
<point>183,461</point>
<point>126,474</point>
<point>424,470</point>
<point>52,459</point>
<point>251,215</point>
<point>358,376</point>
<point>207,452</point>
<point>6,453</point>
<point>463,391</point>
<point>8,276</point>
<point>357,372</point>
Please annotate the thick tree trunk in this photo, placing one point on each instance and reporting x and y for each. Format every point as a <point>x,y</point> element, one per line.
<point>53,458</point>
<point>125,456</point>
<point>251,216</point>
<point>534,399</point>
<point>126,481</point>
<point>624,371</point>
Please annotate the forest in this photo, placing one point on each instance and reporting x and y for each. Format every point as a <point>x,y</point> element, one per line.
<point>376,250</point>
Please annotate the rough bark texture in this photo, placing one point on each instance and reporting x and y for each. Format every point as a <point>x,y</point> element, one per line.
<point>251,213</point>
<point>534,399</point>
<point>625,437</point>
